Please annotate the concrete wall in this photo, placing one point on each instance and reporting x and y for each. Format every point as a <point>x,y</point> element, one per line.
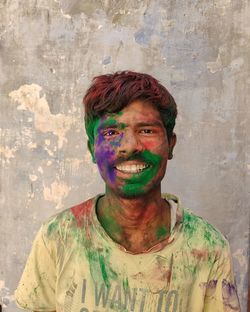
<point>49,51</point>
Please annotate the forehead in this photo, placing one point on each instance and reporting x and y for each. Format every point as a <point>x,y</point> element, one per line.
<point>137,111</point>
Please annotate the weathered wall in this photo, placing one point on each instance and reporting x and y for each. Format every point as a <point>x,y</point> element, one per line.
<point>49,51</point>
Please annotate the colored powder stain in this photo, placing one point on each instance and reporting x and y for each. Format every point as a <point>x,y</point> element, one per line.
<point>109,152</point>
<point>216,236</point>
<point>191,268</point>
<point>190,223</point>
<point>230,297</point>
<point>228,288</point>
<point>161,232</point>
<point>91,126</point>
<point>82,211</point>
<point>109,121</point>
<point>113,275</point>
<point>92,257</point>
<point>102,159</point>
<point>116,114</point>
<point>136,184</point>
<point>117,141</point>
<point>95,125</point>
<point>104,271</point>
<point>99,266</point>
<point>212,284</point>
<point>193,223</point>
<point>200,255</point>
<point>174,276</point>
<point>125,285</point>
<point>207,236</point>
<point>111,175</point>
<point>122,126</point>
<point>53,227</point>
<point>110,225</point>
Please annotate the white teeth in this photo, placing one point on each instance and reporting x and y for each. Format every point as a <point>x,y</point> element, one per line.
<point>131,168</point>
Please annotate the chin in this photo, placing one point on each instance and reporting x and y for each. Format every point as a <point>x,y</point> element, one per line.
<point>133,191</point>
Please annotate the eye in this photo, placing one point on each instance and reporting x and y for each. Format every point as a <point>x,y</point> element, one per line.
<point>110,132</point>
<point>147,131</point>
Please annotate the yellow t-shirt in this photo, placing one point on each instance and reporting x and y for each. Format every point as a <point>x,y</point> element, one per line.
<point>74,266</point>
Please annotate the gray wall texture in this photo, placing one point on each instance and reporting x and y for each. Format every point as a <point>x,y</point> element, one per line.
<point>49,52</point>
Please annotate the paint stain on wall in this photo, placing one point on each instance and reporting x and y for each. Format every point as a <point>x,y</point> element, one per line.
<point>215,66</point>
<point>7,153</point>
<point>57,191</point>
<point>29,98</point>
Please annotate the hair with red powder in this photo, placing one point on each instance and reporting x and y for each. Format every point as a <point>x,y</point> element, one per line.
<point>112,92</point>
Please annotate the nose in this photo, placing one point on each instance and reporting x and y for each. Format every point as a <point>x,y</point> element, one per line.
<point>129,144</point>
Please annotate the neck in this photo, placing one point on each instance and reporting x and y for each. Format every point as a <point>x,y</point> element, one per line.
<point>136,223</point>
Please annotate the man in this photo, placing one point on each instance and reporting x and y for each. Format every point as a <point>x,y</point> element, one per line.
<point>132,248</point>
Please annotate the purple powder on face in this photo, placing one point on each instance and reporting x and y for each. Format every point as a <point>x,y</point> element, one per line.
<point>99,140</point>
<point>105,154</point>
<point>103,161</point>
<point>111,171</point>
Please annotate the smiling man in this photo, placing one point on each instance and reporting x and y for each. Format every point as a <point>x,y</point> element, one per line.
<point>132,248</point>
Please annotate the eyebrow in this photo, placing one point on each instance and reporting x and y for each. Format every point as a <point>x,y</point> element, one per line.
<point>156,123</point>
<point>115,124</point>
<point>110,124</point>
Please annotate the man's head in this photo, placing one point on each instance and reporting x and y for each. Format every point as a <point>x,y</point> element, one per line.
<point>112,92</point>
<point>129,120</point>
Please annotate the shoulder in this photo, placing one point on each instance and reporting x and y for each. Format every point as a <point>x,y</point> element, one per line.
<point>68,221</point>
<point>196,230</point>
<point>200,232</point>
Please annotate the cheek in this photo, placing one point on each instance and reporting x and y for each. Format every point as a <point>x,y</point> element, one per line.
<point>158,147</point>
<point>104,154</point>
<point>105,151</point>
<point>105,157</point>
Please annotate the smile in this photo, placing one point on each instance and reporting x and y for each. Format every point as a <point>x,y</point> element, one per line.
<point>131,168</point>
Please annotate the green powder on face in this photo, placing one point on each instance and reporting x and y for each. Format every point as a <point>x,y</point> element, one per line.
<point>122,126</point>
<point>93,124</point>
<point>136,184</point>
<point>110,121</point>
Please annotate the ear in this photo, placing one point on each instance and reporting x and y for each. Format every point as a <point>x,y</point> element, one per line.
<point>172,142</point>
<point>92,152</point>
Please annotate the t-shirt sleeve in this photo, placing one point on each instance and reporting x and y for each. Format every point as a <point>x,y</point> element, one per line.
<point>36,289</point>
<point>221,293</point>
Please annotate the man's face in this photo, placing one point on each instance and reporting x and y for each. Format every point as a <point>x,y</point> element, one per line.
<point>131,149</point>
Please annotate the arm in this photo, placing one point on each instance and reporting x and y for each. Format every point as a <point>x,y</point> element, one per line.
<point>221,293</point>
